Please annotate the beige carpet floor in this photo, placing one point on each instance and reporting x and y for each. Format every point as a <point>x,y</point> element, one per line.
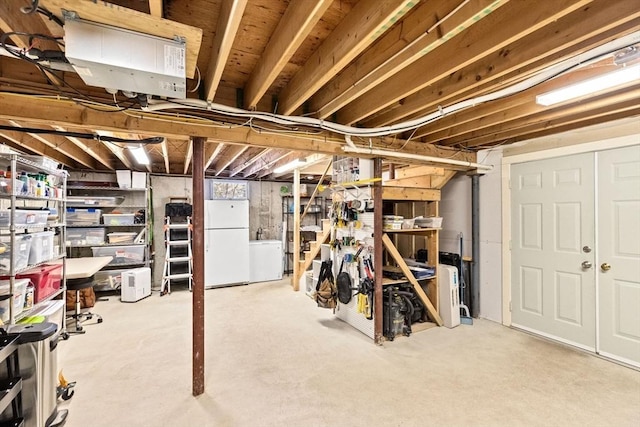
<point>274,359</point>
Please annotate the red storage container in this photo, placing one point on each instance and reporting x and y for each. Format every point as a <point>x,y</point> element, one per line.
<point>46,280</point>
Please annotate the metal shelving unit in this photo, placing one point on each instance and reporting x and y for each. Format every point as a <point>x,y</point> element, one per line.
<point>13,199</point>
<point>312,218</point>
<point>98,197</point>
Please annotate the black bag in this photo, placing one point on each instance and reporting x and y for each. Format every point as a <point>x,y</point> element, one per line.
<point>326,292</point>
<point>177,209</point>
<point>343,282</point>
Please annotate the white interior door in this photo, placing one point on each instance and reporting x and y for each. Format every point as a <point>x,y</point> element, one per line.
<point>553,236</point>
<point>619,253</point>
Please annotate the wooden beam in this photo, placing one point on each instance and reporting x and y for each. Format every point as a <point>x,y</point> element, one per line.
<point>67,113</point>
<point>365,22</point>
<point>439,181</point>
<point>409,275</point>
<point>410,194</point>
<point>520,105</point>
<point>197,294</point>
<point>571,35</point>
<point>625,101</point>
<point>25,141</point>
<point>282,161</point>
<point>230,155</point>
<point>417,181</point>
<point>93,151</point>
<point>231,12</point>
<point>417,171</point>
<point>418,35</point>
<point>64,146</point>
<point>120,154</point>
<point>294,27</point>
<point>13,20</point>
<point>111,14</point>
<point>248,162</point>
<point>187,158</point>
<point>509,23</point>
<point>165,155</point>
<point>265,163</point>
<point>155,8</point>
<point>215,149</point>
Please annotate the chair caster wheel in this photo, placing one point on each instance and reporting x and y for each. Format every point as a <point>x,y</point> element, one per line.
<point>65,336</point>
<point>100,320</point>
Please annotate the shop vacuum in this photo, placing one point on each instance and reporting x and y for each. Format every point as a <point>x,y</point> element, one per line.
<point>401,308</point>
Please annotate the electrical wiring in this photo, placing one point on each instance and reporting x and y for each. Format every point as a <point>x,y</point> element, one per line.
<point>83,135</point>
<point>551,72</point>
<point>199,80</point>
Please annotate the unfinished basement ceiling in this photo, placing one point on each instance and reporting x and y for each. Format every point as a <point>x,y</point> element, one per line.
<point>364,63</point>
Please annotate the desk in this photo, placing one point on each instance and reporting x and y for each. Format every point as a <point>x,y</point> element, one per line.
<point>85,267</point>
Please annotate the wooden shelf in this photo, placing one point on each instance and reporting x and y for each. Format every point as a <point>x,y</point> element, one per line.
<point>412,231</point>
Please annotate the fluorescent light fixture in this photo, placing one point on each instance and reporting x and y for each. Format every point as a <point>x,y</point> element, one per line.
<point>294,164</point>
<point>615,78</point>
<point>140,155</point>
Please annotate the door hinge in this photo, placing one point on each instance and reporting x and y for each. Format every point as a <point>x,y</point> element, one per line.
<point>510,306</point>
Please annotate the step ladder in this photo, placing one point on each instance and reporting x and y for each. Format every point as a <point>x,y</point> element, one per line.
<point>171,260</point>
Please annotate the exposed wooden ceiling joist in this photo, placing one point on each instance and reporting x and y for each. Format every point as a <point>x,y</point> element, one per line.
<point>64,146</point>
<point>22,140</point>
<point>69,114</point>
<point>13,20</point>
<point>265,162</point>
<point>230,155</point>
<point>212,151</point>
<point>571,35</point>
<point>593,108</point>
<point>366,22</point>
<point>165,155</point>
<point>96,150</point>
<point>296,23</point>
<point>506,25</point>
<point>267,171</point>
<point>155,8</point>
<point>423,30</point>
<point>228,22</point>
<point>251,159</point>
<point>188,156</point>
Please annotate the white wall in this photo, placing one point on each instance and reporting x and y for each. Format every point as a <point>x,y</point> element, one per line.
<point>455,209</point>
<point>491,237</point>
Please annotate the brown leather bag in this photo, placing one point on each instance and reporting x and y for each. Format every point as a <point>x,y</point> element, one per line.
<point>87,299</point>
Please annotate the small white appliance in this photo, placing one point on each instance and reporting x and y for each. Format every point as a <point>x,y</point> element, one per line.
<point>226,243</point>
<point>136,284</point>
<point>448,295</point>
<point>265,260</point>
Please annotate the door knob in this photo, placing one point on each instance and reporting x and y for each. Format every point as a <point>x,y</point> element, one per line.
<point>605,266</point>
<point>586,264</point>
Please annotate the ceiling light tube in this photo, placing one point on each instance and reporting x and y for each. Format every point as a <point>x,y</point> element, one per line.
<point>410,156</point>
<point>140,155</point>
<point>294,164</point>
<point>615,78</point>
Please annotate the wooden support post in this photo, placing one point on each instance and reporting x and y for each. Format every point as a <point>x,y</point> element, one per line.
<point>416,286</point>
<point>377,251</point>
<point>296,230</point>
<point>198,265</point>
<point>315,191</point>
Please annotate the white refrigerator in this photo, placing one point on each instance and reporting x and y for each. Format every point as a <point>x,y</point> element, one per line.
<point>226,243</point>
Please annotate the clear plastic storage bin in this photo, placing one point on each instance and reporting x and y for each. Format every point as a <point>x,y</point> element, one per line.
<point>22,248</point>
<point>107,280</point>
<point>121,254</point>
<point>19,291</point>
<point>24,217</point>
<point>121,238</point>
<point>41,247</point>
<point>85,236</point>
<point>118,219</point>
<point>76,216</point>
